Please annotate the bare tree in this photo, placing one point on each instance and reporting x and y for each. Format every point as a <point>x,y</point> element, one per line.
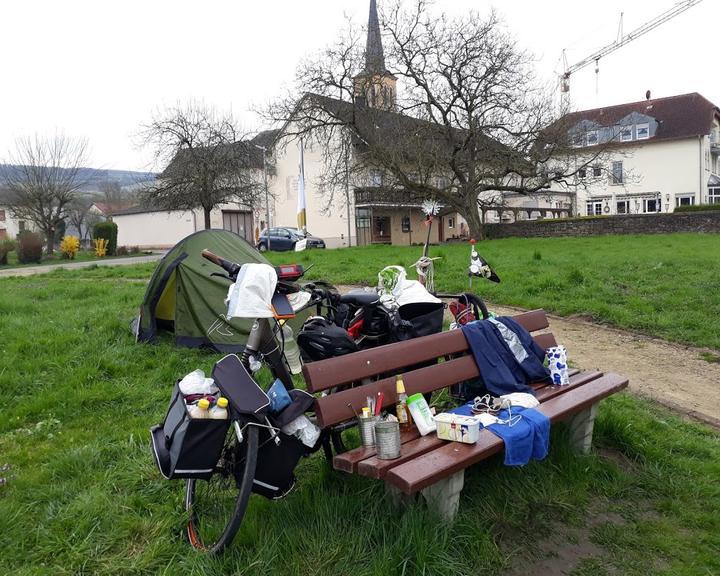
<point>80,217</point>
<point>42,178</point>
<point>469,117</point>
<point>207,163</point>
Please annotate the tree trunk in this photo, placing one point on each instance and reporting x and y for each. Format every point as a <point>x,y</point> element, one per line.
<point>206,212</point>
<point>475,225</point>
<point>50,246</point>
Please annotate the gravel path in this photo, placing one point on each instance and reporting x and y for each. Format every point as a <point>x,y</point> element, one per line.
<point>30,270</point>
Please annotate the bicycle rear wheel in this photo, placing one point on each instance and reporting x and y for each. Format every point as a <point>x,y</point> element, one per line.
<point>216,506</point>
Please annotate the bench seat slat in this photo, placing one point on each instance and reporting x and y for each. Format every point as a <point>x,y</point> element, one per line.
<point>348,461</point>
<point>427,469</point>
<point>369,465</point>
<point>334,372</point>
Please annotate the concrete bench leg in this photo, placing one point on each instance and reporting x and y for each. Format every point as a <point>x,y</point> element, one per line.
<point>444,496</point>
<point>581,429</point>
<point>397,497</point>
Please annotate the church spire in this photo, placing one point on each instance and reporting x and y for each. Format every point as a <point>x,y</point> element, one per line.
<point>375,85</point>
<point>374,57</point>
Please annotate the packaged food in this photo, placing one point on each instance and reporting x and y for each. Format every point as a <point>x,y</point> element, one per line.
<point>457,428</point>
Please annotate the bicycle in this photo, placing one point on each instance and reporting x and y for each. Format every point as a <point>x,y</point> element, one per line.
<point>217,505</point>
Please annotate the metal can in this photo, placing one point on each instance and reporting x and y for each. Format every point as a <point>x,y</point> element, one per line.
<point>387,440</point>
<point>367,430</point>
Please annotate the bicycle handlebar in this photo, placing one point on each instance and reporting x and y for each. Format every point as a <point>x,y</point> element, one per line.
<point>230,267</point>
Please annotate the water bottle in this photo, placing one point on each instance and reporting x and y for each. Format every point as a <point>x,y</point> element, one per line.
<point>219,411</point>
<point>292,352</point>
<point>199,410</point>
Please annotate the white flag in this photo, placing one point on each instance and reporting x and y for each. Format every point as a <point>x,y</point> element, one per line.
<point>301,205</point>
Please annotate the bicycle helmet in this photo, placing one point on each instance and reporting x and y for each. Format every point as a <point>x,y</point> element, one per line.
<point>320,339</point>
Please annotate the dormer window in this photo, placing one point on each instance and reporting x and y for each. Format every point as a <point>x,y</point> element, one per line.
<point>642,131</point>
<point>626,134</point>
<point>592,138</point>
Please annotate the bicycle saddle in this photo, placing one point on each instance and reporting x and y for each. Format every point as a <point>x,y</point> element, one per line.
<point>360,297</point>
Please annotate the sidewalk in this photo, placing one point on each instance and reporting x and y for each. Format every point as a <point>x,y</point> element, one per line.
<point>31,270</point>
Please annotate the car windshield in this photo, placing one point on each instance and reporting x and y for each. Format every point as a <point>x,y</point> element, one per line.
<point>298,232</point>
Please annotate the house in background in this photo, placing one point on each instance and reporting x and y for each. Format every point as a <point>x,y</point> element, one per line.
<point>10,227</point>
<point>366,211</point>
<point>661,153</point>
<point>151,228</point>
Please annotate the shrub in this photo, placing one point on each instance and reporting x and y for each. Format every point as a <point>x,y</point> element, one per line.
<point>107,230</point>
<point>100,247</point>
<point>697,208</point>
<point>70,246</point>
<point>134,249</point>
<point>29,247</point>
<point>122,251</point>
<point>6,246</point>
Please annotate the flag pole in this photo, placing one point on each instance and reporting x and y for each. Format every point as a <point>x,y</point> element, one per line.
<point>301,203</point>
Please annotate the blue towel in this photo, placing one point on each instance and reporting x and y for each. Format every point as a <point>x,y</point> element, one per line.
<point>528,438</point>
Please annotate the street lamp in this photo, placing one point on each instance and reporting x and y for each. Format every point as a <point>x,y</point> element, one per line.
<point>267,198</point>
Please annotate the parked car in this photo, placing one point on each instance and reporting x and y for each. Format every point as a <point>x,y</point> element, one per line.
<point>285,238</point>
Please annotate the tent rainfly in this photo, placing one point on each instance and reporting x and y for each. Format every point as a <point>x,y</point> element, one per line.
<point>183,297</point>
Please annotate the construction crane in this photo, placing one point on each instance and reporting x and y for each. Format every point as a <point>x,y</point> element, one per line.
<point>621,41</point>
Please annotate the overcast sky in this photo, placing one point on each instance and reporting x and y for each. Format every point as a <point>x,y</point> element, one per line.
<point>98,69</point>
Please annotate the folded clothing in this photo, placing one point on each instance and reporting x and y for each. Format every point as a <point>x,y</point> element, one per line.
<point>525,432</point>
<point>506,355</point>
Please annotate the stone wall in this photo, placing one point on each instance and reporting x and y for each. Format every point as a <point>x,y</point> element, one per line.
<point>599,225</point>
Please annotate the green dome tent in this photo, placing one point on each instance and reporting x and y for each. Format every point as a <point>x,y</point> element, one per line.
<point>183,298</point>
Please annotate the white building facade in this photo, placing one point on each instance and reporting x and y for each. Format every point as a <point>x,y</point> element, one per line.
<point>658,155</point>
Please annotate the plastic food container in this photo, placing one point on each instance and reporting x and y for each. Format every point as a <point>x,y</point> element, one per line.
<point>457,428</point>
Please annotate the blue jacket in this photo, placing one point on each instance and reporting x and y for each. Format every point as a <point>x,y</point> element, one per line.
<point>506,355</point>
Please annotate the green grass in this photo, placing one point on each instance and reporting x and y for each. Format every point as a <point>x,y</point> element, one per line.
<point>662,285</point>
<point>83,496</point>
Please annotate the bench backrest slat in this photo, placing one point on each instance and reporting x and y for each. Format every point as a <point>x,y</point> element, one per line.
<point>340,406</point>
<point>392,357</point>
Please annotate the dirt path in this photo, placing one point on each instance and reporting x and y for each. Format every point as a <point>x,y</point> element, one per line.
<point>674,375</point>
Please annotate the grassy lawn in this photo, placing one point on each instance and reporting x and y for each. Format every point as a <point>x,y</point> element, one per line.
<point>83,496</point>
<point>662,285</point>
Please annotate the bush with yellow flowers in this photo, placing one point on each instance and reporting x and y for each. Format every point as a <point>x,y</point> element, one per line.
<point>101,245</point>
<point>70,246</point>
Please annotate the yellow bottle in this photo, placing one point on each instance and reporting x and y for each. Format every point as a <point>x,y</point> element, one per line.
<point>403,414</point>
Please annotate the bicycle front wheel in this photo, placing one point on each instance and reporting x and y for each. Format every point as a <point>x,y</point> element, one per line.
<point>216,506</point>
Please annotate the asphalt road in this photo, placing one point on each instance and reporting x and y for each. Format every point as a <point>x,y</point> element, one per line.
<point>31,270</point>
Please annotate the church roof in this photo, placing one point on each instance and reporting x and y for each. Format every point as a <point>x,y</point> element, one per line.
<point>374,54</point>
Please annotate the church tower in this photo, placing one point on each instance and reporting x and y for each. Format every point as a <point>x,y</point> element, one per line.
<point>375,85</point>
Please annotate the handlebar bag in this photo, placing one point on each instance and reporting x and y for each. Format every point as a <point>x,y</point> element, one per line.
<point>184,447</point>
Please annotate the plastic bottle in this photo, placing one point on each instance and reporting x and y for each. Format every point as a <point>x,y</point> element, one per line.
<point>199,410</point>
<point>219,411</point>
<point>421,414</point>
<point>292,352</point>
<point>401,409</point>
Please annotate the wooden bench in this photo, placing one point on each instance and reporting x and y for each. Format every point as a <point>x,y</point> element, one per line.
<point>427,464</point>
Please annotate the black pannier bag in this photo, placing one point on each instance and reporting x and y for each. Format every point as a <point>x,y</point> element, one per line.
<point>419,319</point>
<point>185,447</point>
<point>274,473</point>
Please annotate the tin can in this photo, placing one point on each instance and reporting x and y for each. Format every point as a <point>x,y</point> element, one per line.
<point>387,440</point>
<point>367,430</point>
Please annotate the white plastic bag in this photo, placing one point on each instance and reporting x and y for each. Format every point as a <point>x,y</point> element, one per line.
<point>251,295</point>
<point>304,430</point>
<point>196,383</point>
